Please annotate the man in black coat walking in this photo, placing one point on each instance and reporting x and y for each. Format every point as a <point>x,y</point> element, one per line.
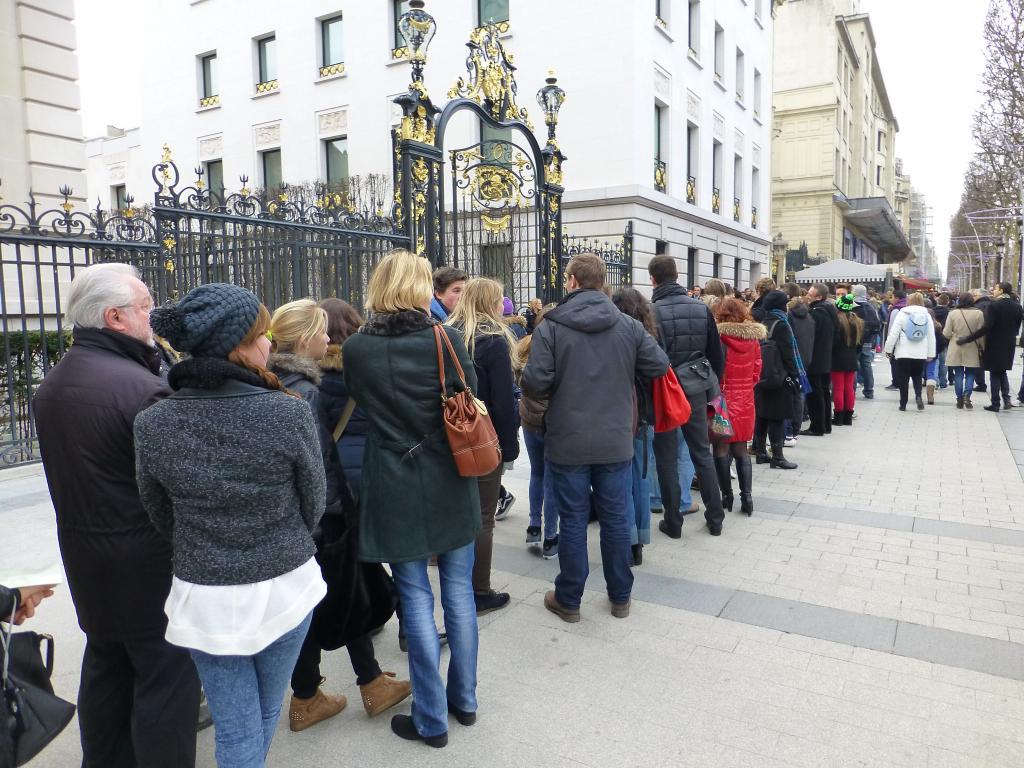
<point>826,333</point>
<point>690,337</point>
<point>585,358</point>
<point>1002,323</point>
<point>138,700</point>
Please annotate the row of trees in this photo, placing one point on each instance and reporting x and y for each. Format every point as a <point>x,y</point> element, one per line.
<point>995,176</point>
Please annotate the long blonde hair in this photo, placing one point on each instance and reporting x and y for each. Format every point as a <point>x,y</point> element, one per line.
<point>295,324</point>
<point>478,313</point>
<point>402,281</point>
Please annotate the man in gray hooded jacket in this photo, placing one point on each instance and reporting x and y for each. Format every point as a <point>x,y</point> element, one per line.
<point>585,358</point>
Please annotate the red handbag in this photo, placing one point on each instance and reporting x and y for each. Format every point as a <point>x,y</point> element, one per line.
<point>671,408</point>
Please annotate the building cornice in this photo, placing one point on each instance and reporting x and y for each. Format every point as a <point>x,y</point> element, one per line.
<point>637,195</point>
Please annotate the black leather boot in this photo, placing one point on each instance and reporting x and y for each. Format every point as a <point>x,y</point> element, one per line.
<point>745,477</point>
<point>724,480</point>
<point>672,524</point>
<point>779,460</point>
<point>638,554</point>
<point>847,418</point>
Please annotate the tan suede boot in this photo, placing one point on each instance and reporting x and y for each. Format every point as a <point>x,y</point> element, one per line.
<point>303,713</point>
<point>383,693</point>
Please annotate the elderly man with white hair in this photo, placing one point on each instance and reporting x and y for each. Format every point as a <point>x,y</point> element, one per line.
<point>138,700</point>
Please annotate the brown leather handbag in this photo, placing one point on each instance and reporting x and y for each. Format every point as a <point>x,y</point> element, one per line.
<point>471,434</point>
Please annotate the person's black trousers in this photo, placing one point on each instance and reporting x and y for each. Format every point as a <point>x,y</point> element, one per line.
<point>909,369</point>
<point>819,402</point>
<point>695,432</point>
<point>138,705</point>
<point>306,675</point>
<point>999,387</point>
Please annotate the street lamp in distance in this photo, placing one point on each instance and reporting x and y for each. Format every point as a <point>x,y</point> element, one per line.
<point>779,248</point>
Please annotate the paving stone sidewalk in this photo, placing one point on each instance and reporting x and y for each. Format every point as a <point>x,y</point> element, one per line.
<point>870,613</point>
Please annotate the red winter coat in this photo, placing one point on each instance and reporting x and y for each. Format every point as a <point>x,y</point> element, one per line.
<point>742,350</point>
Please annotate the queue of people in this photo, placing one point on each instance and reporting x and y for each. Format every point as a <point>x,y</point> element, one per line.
<point>196,511</point>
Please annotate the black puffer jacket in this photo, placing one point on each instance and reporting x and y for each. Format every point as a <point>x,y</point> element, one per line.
<point>688,330</point>
<point>333,399</point>
<point>303,376</point>
<point>826,334</point>
<point>803,328</point>
<point>585,357</point>
<point>777,404</point>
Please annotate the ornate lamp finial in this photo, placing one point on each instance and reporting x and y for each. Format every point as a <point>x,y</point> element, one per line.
<point>551,97</point>
<point>417,27</point>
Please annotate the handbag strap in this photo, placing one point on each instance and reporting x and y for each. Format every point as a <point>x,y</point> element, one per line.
<point>5,642</point>
<point>346,414</point>
<point>438,336</point>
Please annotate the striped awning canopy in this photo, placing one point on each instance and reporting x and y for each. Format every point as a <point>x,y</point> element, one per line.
<point>842,271</point>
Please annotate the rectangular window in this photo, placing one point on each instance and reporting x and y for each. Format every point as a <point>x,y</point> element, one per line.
<point>716,265</point>
<point>691,267</point>
<point>489,11</point>
<point>737,183</point>
<point>266,51</point>
<point>693,28</point>
<point>757,93</point>
<point>878,175</point>
<point>660,248</point>
<point>716,164</point>
<point>209,70</point>
<point>719,53</point>
<point>336,160</point>
<point>400,7</point>
<point>737,271</point>
<point>755,196</point>
<point>331,41</point>
<point>881,140</point>
<point>741,75</point>
<point>658,110</point>
<point>119,197</point>
<point>839,170</point>
<point>270,165</point>
<point>215,177</point>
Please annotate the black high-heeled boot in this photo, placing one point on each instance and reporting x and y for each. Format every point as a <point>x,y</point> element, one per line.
<point>724,479</point>
<point>745,478</point>
<point>779,460</point>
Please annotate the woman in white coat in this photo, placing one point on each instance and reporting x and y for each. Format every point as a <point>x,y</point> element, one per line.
<point>911,342</point>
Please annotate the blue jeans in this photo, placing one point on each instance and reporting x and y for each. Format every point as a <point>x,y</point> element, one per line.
<point>686,472</point>
<point>931,371</point>
<point>865,372</point>
<point>611,490</point>
<point>245,694</point>
<point>541,495</point>
<point>963,380</point>
<point>943,371</point>
<point>639,499</point>
<point>430,695</point>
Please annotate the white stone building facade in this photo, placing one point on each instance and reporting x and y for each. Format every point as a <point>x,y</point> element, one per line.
<point>304,91</point>
<point>41,146</point>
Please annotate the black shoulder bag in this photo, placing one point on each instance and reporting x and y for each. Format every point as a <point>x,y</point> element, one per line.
<point>31,716</point>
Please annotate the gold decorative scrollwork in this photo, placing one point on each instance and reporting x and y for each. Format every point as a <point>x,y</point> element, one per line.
<point>490,81</point>
<point>497,178</point>
<point>417,127</point>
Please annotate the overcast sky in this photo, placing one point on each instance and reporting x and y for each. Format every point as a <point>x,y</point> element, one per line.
<point>931,56</point>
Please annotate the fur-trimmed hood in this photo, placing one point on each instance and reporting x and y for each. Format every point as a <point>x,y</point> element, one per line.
<point>515,320</point>
<point>397,323</point>
<point>283,363</point>
<point>748,330</point>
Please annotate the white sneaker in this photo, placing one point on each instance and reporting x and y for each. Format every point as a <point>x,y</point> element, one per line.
<point>789,442</point>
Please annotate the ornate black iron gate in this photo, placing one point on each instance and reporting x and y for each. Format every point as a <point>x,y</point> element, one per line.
<point>502,215</point>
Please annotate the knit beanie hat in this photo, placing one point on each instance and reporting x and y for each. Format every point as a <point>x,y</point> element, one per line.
<point>209,322</point>
<point>860,291</point>
<point>846,303</point>
<point>507,307</point>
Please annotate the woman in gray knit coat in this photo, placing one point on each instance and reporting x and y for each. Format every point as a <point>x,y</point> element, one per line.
<point>229,469</point>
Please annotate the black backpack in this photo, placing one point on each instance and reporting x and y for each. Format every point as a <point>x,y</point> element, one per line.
<point>773,372</point>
